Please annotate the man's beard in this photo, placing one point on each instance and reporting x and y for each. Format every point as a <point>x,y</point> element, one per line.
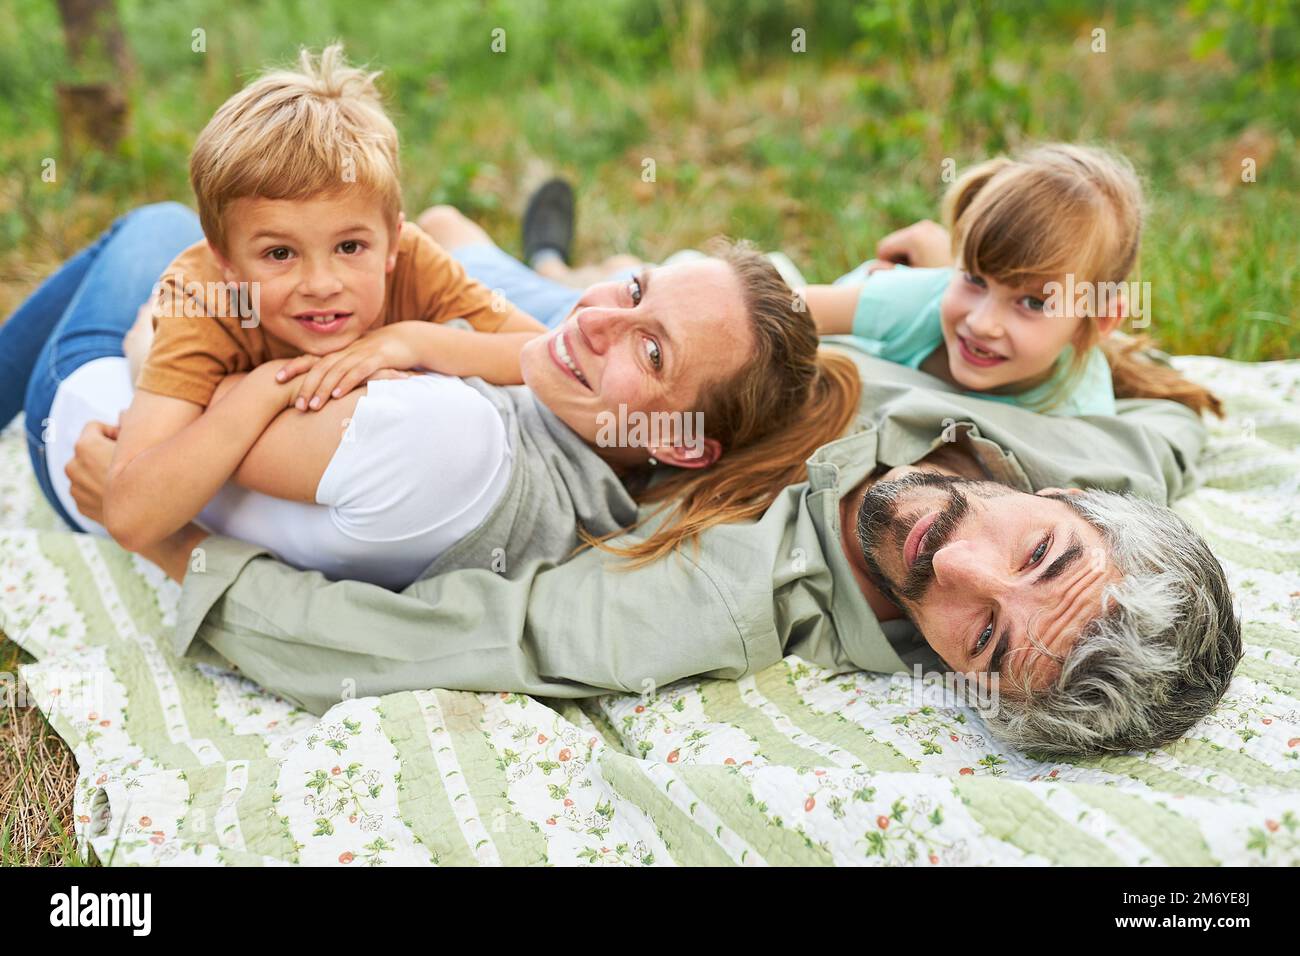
<point>880,526</point>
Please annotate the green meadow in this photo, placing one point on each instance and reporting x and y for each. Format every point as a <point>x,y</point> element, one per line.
<point>811,127</point>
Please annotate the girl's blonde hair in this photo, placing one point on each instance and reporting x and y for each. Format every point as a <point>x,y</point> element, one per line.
<point>787,400</point>
<point>1061,209</point>
<point>297,134</point>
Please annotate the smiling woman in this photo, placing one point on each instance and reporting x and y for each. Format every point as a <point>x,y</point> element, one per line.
<point>721,338</point>
<point>647,346</point>
<point>405,478</point>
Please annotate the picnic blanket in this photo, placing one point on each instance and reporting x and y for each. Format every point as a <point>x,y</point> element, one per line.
<point>189,763</point>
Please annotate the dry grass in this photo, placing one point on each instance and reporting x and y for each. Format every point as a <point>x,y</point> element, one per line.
<point>38,776</point>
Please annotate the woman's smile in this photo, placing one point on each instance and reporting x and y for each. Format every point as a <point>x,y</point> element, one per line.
<point>563,357</point>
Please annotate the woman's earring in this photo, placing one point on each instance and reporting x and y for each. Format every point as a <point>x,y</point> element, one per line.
<point>653,461</point>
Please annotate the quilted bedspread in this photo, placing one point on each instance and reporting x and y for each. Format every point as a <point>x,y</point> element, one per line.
<point>188,763</point>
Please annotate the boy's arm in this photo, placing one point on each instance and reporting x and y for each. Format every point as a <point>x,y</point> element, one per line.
<point>832,306</point>
<point>446,291</point>
<point>463,352</point>
<point>171,457</point>
<point>518,320</point>
<point>408,345</point>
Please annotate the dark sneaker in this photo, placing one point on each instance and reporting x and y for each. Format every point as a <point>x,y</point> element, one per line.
<point>548,220</point>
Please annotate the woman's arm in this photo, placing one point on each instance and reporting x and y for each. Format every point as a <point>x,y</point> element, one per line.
<point>175,554</point>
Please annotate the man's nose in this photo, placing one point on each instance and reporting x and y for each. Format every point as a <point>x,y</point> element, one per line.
<point>965,566</point>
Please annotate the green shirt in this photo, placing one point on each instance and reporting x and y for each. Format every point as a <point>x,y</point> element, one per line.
<point>747,596</point>
<point>897,319</point>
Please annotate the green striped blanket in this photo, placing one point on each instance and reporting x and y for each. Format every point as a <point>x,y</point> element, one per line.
<point>184,762</point>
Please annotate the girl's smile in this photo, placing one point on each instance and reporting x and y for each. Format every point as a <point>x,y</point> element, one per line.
<point>978,355</point>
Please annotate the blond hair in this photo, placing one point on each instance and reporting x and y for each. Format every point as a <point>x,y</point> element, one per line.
<point>786,401</point>
<point>297,134</point>
<point>1058,209</point>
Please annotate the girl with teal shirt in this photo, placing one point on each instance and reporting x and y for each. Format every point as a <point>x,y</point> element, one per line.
<point>1016,300</point>
<point>898,318</point>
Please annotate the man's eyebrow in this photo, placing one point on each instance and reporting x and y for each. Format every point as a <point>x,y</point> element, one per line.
<point>1058,567</point>
<point>1063,562</point>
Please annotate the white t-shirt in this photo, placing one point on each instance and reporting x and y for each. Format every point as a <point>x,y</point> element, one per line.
<point>421,464</point>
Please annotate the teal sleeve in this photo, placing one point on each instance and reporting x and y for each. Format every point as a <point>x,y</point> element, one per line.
<point>898,313</point>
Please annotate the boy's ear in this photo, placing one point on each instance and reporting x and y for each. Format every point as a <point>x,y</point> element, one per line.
<point>1059,491</point>
<point>391,262</point>
<point>227,270</point>
<point>700,455</point>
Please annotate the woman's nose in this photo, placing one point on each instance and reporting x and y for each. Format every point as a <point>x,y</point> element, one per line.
<point>600,326</point>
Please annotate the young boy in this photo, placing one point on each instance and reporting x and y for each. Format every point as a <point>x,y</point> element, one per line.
<point>308,268</point>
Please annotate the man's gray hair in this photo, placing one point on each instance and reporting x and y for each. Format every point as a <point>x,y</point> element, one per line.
<point>1156,660</point>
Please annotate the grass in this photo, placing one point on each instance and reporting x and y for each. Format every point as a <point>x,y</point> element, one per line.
<point>818,153</point>
<point>38,776</point>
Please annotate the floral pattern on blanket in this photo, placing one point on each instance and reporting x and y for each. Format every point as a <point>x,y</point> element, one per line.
<point>185,762</point>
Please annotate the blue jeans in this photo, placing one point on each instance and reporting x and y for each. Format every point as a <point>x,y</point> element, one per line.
<point>546,300</point>
<point>81,313</point>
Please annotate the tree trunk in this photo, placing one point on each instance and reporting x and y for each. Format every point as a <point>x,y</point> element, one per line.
<point>92,104</point>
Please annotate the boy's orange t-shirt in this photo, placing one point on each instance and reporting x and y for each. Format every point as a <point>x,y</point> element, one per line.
<point>199,337</point>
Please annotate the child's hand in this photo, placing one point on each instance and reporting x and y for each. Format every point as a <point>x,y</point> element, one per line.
<point>88,469</point>
<point>922,245</point>
<point>268,379</point>
<point>336,374</point>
